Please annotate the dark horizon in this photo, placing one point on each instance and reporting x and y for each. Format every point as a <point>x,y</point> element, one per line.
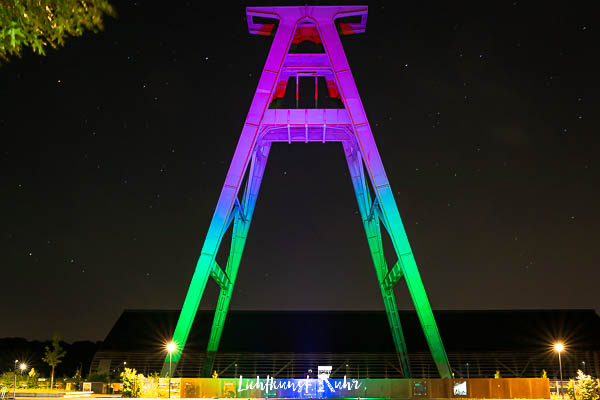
<point>472,333</point>
<point>48,341</point>
<point>297,311</point>
<point>116,147</point>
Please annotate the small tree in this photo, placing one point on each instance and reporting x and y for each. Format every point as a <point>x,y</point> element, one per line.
<point>77,378</point>
<point>151,388</point>
<point>32,380</point>
<point>544,374</point>
<point>54,357</point>
<point>497,374</point>
<point>132,382</point>
<point>587,386</point>
<point>571,389</point>
<point>42,23</point>
<point>7,379</point>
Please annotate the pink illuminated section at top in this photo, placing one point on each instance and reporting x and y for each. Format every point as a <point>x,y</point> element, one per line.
<point>261,21</point>
<point>293,12</point>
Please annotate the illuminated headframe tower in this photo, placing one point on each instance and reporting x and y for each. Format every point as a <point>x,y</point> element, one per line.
<point>269,120</point>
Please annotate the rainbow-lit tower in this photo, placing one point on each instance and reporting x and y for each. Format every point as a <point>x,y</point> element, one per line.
<point>307,47</point>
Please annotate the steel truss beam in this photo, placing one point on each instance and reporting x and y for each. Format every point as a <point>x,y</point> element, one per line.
<point>241,227</point>
<point>220,277</point>
<point>373,232</point>
<point>393,276</point>
<point>349,126</point>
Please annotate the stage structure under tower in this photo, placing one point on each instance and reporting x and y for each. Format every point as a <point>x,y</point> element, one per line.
<point>268,122</point>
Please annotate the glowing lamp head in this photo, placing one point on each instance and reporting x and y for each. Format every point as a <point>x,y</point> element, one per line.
<point>559,347</point>
<point>23,366</point>
<point>171,347</point>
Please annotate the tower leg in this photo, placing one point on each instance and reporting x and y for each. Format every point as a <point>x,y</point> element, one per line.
<point>406,260</point>
<point>216,230</point>
<point>229,192</point>
<point>383,192</point>
<point>241,225</point>
<point>373,232</point>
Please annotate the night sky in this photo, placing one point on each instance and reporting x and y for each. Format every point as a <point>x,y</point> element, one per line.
<point>115,148</point>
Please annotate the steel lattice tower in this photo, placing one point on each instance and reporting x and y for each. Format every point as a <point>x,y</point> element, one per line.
<point>266,124</point>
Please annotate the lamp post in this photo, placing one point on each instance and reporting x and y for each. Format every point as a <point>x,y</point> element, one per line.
<point>170,348</point>
<point>15,381</point>
<point>584,371</point>
<point>467,370</point>
<point>558,347</point>
<point>120,374</point>
<point>22,367</point>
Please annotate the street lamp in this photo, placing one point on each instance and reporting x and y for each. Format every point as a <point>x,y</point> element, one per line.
<point>558,347</point>
<point>15,381</point>
<point>171,347</point>
<point>22,367</point>
<point>120,372</point>
<point>467,370</point>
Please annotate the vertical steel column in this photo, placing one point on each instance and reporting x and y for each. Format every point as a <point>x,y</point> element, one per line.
<point>381,186</point>
<point>373,233</point>
<point>241,225</point>
<point>237,168</point>
<point>316,93</point>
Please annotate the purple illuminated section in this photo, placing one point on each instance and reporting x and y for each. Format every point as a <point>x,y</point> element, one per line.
<point>349,126</point>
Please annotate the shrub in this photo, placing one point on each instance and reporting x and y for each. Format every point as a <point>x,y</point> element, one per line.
<point>132,383</point>
<point>571,389</point>
<point>32,378</point>
<point>150,388</point>
<point>7,379</point>
<point>587,386</point>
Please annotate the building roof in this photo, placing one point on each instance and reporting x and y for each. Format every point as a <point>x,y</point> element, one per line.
<point>360,331</point>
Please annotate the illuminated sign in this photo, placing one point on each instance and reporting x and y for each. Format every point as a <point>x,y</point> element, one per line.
<point>460,388</point>
<point>420,388</point>
<point>300,388</point>
<point>323,374</point>
<point>327,388</point>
